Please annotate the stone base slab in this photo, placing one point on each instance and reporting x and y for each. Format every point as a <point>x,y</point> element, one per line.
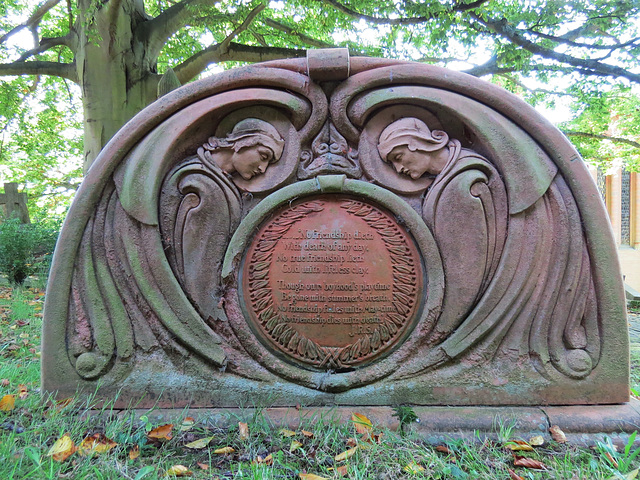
<point>583,425</point>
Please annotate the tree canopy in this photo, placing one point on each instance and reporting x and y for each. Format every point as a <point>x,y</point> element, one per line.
<point>74,71</point>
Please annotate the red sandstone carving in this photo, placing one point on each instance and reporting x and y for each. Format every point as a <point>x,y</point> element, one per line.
<point>505,289</point>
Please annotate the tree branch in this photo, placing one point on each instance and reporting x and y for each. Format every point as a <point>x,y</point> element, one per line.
<point>238,30</point>
<point>64,70</point>
<point>571,133</point>
<point>155,32</point>
<point>459,7</point>
<point>581,44</point>
<point>33,21</point>
<point>235,52</point>
<point>502,28</point>
<point>312,42</point>
<point>48,43</point>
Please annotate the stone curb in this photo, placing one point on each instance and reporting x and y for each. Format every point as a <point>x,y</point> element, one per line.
<point>583,425</point>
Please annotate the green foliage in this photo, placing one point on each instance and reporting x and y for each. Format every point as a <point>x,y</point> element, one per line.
<point>606,130</point>
<point>26,249</point>
<point>586,50</point>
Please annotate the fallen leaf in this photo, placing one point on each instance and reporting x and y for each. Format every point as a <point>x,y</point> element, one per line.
<point>557,434</point>
<point>198,444</point>
<point>513,475</point>
<point>7,403</point>
<point>243,430</point>
<point>311,476</point>
<point>63,403</point>
<point>362,423</point>
<point>525,462</point>
<point>224,450</point>
<point>178,471</point>
<point>96,443</point>
<point>163,432</point>
<point>62,449</point>
<point>294,446</point>
<point>342,470</point>
<point>443,449</point>
<point>413,467</point>
<point>536,441</point>
<point>187,424</point>
<point>134,452</point>
<point>4,382</point>
<point>287,433</point>
<point>306,433</point>
<point>268,460</point>
<point>203,466</point>
<point>519,446</point>
<point>351,442</point>
<point>346,454</point>
<point>611,459</point>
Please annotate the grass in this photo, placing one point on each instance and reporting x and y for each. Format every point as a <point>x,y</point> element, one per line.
<point>33,426</point>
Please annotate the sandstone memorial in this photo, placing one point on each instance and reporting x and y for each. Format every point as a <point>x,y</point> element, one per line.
<point>338,231</point>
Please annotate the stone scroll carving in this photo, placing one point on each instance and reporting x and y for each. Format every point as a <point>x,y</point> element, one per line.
<point>402,232</point>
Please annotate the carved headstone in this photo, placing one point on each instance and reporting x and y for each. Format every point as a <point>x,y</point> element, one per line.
<point>343,231</point>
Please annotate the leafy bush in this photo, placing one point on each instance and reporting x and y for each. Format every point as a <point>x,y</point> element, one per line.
<point>26,249</point>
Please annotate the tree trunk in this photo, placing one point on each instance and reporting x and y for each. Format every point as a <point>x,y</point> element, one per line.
<point>116,77</point>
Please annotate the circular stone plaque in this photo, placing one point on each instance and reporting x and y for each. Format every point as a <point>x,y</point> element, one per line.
<point>332,282</point>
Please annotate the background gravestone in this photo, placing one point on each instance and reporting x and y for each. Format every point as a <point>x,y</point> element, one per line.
<point>338,231</point>
<point>14,203</point>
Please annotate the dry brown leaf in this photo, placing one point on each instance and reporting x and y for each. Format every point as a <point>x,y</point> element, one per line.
<point>343,470</point>
<point>513,475</point>
<point>351,442</point>
<point>7,403</point>
<point>243,430</point>
<point>287,433</point>
<point>203,466</point>
<point>60,404</point>
<point>199,444</point>
<point>294,446</point>
<point>557,434</point>
<point>413,467</point>
<point>306,433</point>
<point>4,382</point>
<point>346,454</point>
<point>134,452</point>
<point>525,462</point>
<point>311,476</point>
<point>443,449</point>
<point>613,461</point>
<point>96,443</point>
<point>22,391</point>
<point>163,432</point>
<point>224,450</point>
<point>519,446</point>
<point>178,471</point>
<point>362,423</point>
<point>62,449</point>
<point>187,424</point>
<point>268,460</point>
<point>536,441</point>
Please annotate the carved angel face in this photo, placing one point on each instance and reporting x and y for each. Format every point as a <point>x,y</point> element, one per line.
<point>413,163</point>
<point>252,161</point>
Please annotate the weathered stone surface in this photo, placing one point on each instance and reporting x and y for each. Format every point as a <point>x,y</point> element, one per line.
<point>343,231</point>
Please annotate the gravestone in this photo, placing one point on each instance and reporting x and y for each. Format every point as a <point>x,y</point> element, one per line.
<point>338,231</point>
<point>14,202</point>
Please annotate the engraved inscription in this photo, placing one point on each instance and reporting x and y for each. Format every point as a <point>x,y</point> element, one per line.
<point>332,282</point>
